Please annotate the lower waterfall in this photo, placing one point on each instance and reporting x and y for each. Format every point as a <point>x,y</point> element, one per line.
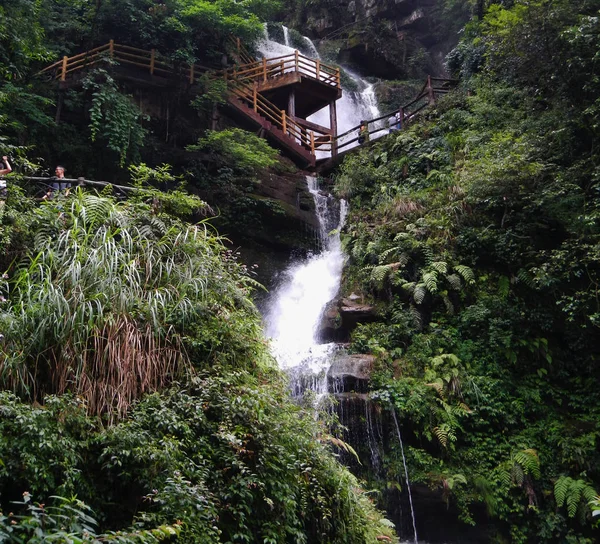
<point>296,306</point>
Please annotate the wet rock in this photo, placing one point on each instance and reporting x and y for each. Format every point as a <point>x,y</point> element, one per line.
<point>350,373</point>
<point>352,312</point>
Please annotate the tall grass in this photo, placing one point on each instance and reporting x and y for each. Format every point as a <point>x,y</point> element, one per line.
<point>93,306</point>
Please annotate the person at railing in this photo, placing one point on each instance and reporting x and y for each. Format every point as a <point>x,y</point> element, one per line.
<point>58,183</point>
<point>363,132</point>
<point>5,167</point>
<point>395,122</point>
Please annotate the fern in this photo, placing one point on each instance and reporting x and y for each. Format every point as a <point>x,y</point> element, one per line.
<point>419,293</point>
<point>575,494</point>
<point>440,267</point>
<point>530,462</point>
<point>454,281</point>
<point>430,281</point>
<point>466,273</point>
<point>441,434</point>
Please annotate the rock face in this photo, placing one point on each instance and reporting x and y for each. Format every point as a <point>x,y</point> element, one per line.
<point>341,317</point>
<point>350,373</point>
<point>392,39</point>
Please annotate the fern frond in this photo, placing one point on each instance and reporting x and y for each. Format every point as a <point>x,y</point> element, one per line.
<point>442,435</point>
<point>530,461</point>
<point>440,267</point>
<point>430,281</point>
<point>448,304</point>
<point>417,317</point>
<point>454,281</point>
<point>466,273</point>
<point>380,273</point>
<point>419,293</point>
<point>428,255</point>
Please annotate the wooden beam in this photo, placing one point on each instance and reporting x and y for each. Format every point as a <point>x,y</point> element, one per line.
<point>292,103</point>
<point>312,126</point>
<point>333,125</point>
<point>63,73</point>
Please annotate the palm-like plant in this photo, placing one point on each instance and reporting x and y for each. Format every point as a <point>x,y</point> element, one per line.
<point>93,307</point>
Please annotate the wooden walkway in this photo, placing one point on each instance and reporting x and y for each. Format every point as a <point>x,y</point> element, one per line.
<point>249,81</point>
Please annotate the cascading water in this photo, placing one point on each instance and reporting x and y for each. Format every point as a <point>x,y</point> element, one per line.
<point>412,510</point>
<point>297,305</point>
<point>295,309</point>
<point>352,108</point>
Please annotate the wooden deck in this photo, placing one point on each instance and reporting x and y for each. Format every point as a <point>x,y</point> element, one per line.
<point>276,94</point>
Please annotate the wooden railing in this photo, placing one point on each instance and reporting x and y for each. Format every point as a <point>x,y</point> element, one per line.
<point>433,87</point>
<point>265,69</point>
<point>243,55</point>
<point>303,132</point>
<point>123,54</point>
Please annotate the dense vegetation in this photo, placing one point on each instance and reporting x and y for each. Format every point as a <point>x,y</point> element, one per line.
<point>139,401</point>
<point>476,232</point>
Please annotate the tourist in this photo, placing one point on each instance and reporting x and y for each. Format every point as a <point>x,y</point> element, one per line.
<point>59,183</point>
<point>5,167</point>
<point>363,132</point>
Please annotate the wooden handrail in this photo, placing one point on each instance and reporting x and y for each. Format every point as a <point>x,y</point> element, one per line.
<point>425,93</point>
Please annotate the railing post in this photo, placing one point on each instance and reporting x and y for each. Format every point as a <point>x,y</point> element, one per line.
<point>111,48</point>
<point>312,142</point>
<point>318,62</point>
<point>431,96</point>
<point>283,121</point>
<point>152,59</point>
<point>255,97</point>
<point>264,62</point>
<point>297,59</point>
<point>401,114</point>
<point>63,72</point>
<point>191,74</point>
<point>338,77</point>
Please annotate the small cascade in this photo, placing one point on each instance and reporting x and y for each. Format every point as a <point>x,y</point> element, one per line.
<point>412,510</point>
<point>352,108</point>
<point>286,35</point>
<point>296,307</point>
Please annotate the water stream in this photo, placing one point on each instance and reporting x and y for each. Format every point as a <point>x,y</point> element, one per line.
<point>296,306</point>
<point>412,509</point>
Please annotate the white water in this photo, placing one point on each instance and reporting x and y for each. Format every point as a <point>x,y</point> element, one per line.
<point>297,305</point>
<point>352,108</point>
<point>286,35</point>
<point>412,509</point>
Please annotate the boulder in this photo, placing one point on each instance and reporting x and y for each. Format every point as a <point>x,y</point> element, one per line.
<point>350,373</point>
<point>352,312</point>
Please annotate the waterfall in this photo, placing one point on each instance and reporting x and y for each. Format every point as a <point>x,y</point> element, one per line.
<point>286,35</point>
<point>297,305</point>
<point>412,510</point>
<point>352,108</point>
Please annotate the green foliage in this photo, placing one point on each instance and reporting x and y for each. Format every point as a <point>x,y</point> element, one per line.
<point>21,36</point>
<point>106,294</point>
<point>238,149</point>
<point>70,520</point>
<point>576,495</point>
<point>481,218</point>
<point>114,117</point>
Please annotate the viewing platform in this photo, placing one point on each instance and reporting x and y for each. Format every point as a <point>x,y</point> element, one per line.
<point>274,96</point>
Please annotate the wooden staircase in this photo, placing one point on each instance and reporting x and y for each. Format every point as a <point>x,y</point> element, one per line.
<point>261,93</point>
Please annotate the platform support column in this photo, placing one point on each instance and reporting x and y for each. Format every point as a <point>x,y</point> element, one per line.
<point>333,126</point>
<point>292,103</point>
